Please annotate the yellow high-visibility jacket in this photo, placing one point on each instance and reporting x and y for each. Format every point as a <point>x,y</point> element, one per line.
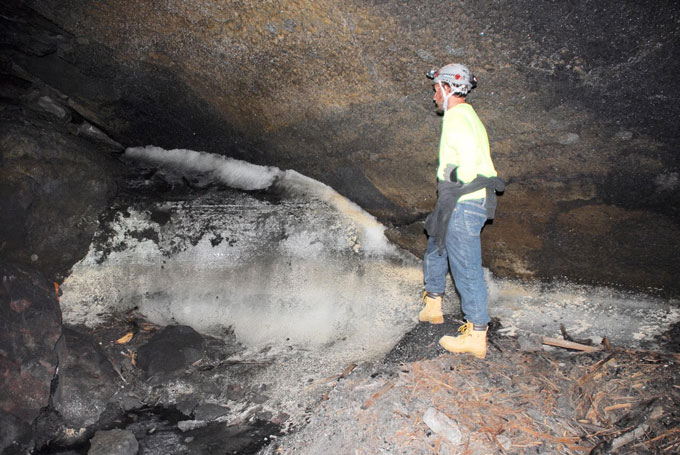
<point>465,144</point>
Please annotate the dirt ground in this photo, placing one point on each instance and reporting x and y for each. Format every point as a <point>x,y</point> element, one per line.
<point>523,398</point>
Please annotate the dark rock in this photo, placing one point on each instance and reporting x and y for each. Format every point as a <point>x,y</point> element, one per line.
<point>280,418</point>
<point>14,432</point>
<point>30,328</point>
<point>49,105</point>
<point>235,392</point>
<point>265,416</point>
<point>53,185</point>
<point>35,36</point>
<point>259,398</point>
<point>210,411</point>
<point>128,403</point>
<point>187,405</point>
<point>210,388</point>
<point>111,417</point>
<point>170,351</point>
<point>86,382</point>
<point>113,442</point>
<point>48,429</point>
<point>87,130</point>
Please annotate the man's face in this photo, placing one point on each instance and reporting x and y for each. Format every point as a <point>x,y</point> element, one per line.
<point>438,97</point>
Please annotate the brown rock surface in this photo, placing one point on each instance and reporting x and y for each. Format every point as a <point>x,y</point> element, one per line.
<point>579,100</point>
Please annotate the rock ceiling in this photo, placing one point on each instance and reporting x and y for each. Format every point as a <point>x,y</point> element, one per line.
<point>579,98</point>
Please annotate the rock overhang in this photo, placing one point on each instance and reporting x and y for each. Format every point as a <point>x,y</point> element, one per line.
<point>576,99</point>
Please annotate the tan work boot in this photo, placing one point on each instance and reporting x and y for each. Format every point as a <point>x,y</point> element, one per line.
<point>432,312</point>
<point>469,340</point>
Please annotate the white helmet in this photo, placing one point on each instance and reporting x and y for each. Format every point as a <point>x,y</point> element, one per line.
<point>457,76</point>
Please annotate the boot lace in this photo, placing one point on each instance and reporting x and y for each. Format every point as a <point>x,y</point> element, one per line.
<point>465,329</point>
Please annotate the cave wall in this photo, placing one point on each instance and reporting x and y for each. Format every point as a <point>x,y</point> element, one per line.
<point>578,98</point>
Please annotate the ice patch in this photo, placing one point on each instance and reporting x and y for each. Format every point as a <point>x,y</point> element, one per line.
<point>625,318</point>
<point>246,176</point>
<point>234,173</point>
<point>310,269</point>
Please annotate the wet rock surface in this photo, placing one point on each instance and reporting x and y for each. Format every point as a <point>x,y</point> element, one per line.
<point>192,411</point>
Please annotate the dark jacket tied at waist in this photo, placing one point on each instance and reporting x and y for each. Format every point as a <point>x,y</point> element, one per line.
<point>437,222</point>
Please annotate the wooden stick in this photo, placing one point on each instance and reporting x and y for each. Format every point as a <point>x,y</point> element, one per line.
<point>630,436</point>
<point>347,371</point>
<point>567,337</point>
<point>618,406</point>
<point>570,345</point>
<point>377,395</point>
<point>660,437</point>
<point>594,368</point>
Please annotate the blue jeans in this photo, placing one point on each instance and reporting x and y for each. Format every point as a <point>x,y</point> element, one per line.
<point>463,253</point>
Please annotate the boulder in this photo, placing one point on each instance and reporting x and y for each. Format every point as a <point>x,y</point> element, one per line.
<point>170,351</point>
<point>86,380</point>
<point>53,182</point>
<point>30,328</point>
<point>14,432</point>
<point>442,425</point>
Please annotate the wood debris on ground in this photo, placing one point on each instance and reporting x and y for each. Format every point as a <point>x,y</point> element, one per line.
<point>125,338</point>
<point>552,401</point>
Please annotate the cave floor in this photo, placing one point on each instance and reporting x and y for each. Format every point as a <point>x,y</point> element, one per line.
<point>516,401</point>
<point>523,398</point>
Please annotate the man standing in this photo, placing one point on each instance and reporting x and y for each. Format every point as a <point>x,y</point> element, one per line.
<point>466,197</point>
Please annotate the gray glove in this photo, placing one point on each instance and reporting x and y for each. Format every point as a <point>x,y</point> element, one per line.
<point>450,173</point>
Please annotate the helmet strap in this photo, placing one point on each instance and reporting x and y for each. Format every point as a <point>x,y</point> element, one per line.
<point>446,97</point>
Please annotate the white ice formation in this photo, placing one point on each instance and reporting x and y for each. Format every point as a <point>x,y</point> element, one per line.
<point>310,268</point>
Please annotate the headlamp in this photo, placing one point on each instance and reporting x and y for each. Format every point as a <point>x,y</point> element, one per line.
<point>431,74</point>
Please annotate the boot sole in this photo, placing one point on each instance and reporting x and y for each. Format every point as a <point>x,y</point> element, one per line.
<point>434,320</point>
<point>467,352</point>
<point>478,355</point>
